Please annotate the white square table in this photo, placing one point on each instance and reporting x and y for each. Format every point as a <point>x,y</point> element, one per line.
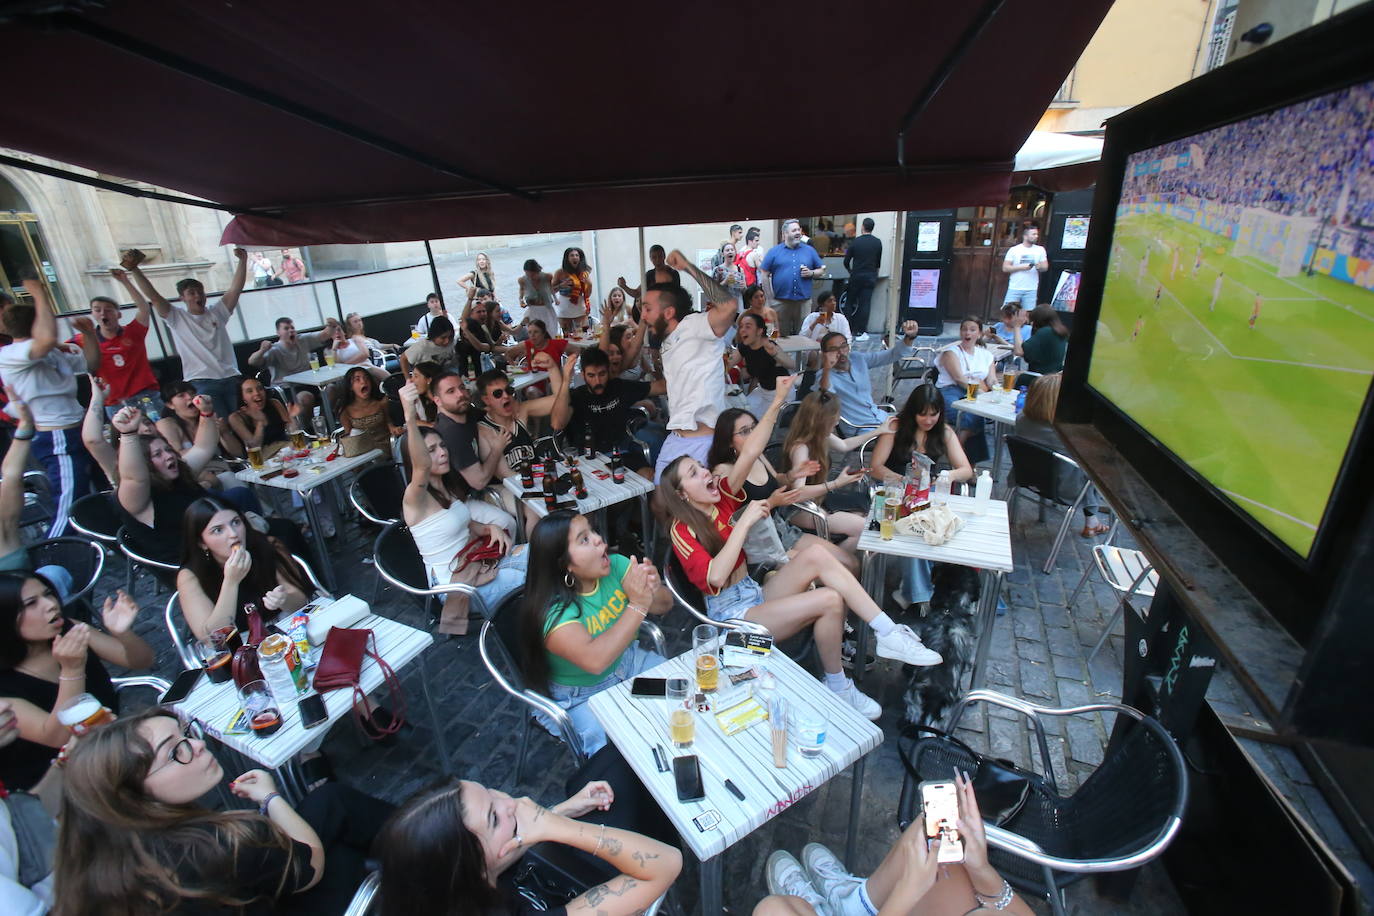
<point>636,724</point>
<point>314,472</point>
<point>215,705</point>
<point>984,543</point>
<point>319,379</point>
<point>600,493</point>
<point>523,380</point>
<point>999,407</point>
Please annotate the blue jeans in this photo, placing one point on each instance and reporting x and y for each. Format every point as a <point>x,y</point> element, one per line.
<point>574,699</point>
<point>225,392</point>
<point>1025,297</point>
<point>734,600</point>
<point>916,583</point>
<point>510,575</point>
<point>975,448</point>
<point>652,434</point>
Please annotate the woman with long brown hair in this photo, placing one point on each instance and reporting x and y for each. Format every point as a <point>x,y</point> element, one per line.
<point>806,457</point>
<point>133,840</point>
<point>1036,422</point>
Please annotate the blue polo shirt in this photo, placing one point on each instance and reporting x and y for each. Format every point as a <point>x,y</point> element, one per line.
<point>785,265</point>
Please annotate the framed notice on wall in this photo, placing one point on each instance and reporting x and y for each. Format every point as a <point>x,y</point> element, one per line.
<point>925,288</point>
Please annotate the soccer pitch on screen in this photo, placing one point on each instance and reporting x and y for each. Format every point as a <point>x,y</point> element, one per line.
<point>1253,379</point>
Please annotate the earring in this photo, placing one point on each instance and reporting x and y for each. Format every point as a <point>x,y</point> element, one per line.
<point>568,580</point>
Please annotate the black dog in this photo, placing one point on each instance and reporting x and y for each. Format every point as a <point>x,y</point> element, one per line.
<point>950,629</point>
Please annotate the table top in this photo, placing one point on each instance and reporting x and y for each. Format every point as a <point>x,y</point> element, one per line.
<point>635,724</point>
<point>312,473</point>
<point>983,543</point>
<point>797,343</point>
<point>993,405</point>
<point>523,380</point>
<point>324,376</point>
<point>600,493</point>
<point>215,705</point>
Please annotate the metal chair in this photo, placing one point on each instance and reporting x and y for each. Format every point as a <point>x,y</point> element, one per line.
<point>96,517</point>
<point>1127,571</point>
<point>135,681</point>
<point>84,559</point>
<point>365,895</point>
<point>398,562</point>
<point>1125,813</point>
<point>376,493</point>
<point>392,385</point>
<point>689,598</point>
<point>1050,475</point>
<point>164,573</point>
<point>920,366</point>
<point>820,518</point>
<point>498,634</point>
<point>174,619</point>
<point>638,417</point>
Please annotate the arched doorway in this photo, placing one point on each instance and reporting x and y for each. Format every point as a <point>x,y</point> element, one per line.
<point>22,250</point>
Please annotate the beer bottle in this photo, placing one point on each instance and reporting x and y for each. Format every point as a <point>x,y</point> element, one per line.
<point>588,446</point>
<point>550,497</point>
<point>526,475</point>
<point>579,488</point>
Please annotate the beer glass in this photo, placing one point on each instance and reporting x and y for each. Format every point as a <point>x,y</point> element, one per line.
<point>297,438</point>
<point>973,386</point>
<point>255,456</point>
<point>681,723</point>
<point>707,661</point>
<point>314,363</point>
<point>887,525</point>
<point>1009,374</point>
<point>264,718</point>
<point>216,658</point>
<point>83,713</point>
<point>329,358</point>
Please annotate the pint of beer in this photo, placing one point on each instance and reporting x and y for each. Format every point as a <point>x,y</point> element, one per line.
<point>255,457</point>
<point>298,439</point>
<point>329,357</point>
<point>973,390</point>
<point>1008,380</point>
<point>84,713</point>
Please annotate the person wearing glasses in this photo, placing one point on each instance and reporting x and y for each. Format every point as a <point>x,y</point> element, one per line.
<point>849,376</point>
<point>505,427</point>
<point>134,839</point>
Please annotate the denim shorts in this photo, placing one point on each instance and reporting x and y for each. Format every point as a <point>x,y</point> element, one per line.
<point>735,600</point>
<point>574,699</point>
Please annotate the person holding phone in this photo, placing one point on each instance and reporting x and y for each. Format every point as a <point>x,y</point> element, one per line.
<point>910,880</point>
<point>580,618</point>
<point>133,838</point>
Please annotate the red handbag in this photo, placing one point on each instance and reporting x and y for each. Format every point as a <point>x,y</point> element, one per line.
<point>476,565</point>
<point>341,665</point>
<point>245,663</point>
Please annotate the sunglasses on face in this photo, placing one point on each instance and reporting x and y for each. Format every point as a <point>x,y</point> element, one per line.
<point>500,393</point>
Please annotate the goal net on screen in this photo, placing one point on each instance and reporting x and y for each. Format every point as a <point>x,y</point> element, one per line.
<point>1278,240</point>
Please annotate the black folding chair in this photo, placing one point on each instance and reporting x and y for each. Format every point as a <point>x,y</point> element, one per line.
<point>1052,477</point>
<point>392,385</point>
<point>376,493</point>
<point>96,517</point>
<point>83,559</point>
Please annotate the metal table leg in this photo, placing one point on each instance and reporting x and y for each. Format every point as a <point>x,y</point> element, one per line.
<point>856,795</point>
<point>987,619</point>
<point>999,432</point>
<point>326,569</point>
<point>711,902</point>
<point>434,718</point>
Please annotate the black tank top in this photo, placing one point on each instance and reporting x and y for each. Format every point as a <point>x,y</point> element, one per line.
<point>521,446</point>
<point>760,490</point>
<point>763,368</point>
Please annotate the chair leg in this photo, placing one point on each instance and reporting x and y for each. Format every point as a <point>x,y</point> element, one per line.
<point>524,746</point>
<point>1082,580</point>
<point>1011,506</point>
<point>1107,630</point>
<point>1064,529</point>
<point>1055,895</point>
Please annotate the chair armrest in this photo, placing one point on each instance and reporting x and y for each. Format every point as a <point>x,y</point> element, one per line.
<point>1023,848</point>
<point>131,682</point>
<point>361,904</point>
<point>530,698</point>
<point>358,505</point>
<point>310,574</point>
<point>184,651</point>
<point>811,508</point>
<point>655,633</point>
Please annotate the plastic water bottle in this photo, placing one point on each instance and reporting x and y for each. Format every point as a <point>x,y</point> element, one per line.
<point>942,484</point>
<point>984,491</point>
<point>1020,400</point>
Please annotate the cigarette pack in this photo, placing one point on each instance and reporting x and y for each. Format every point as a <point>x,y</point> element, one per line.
<point>737,718</point>
<point>744,649</point>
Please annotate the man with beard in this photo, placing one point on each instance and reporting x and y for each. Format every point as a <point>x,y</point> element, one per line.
<point>787,271</point>
<point>457,426</point>
<point>846,374</point>
<point>602,406</point>
<point>290,353</point>
<point>692,346</point>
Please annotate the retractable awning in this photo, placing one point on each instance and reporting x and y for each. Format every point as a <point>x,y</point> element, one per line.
<point>345,122</point>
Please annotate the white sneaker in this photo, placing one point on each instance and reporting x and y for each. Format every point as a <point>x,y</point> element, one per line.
<point>785,875</point>
<point>866,705</point>
<point>905,646</point>
<point>863,336</point>
<point>841,890</point>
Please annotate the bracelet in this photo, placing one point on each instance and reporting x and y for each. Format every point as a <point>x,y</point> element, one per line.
<point>599,840</point>
<point>1000,902</point>
<point>204,414</point>
<point>71,677</point>
<point>827,487</point>
<point>634,607</point>
<point>267,801</point>
<point>23,438</point>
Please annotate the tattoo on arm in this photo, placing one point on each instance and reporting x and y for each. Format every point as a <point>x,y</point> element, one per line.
<point>714,291</point>
<point>643,857</point>
<point>613,846</point>
<point>594,897</point>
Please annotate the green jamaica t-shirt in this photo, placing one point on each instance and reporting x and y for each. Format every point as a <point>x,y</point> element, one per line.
<point>597,612</point>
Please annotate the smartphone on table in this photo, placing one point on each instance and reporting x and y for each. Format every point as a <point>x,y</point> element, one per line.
<point>940,806</point>
<point>312,710</point>
<point>649,687</point>
<point>687,775</point>
<point>181,688</point>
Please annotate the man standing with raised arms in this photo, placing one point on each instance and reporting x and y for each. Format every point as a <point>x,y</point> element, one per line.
<point>693,344</point>
<point>200,331</point>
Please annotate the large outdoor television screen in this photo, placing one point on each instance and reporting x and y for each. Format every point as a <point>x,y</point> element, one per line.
<point>1237,317</point>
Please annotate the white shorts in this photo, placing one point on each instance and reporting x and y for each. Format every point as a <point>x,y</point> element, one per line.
<point>566,308</point>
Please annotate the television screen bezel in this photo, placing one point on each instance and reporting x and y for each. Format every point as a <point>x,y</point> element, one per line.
<point>1292,588</point>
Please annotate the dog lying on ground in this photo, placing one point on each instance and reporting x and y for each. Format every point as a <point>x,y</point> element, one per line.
<point>950,629</point>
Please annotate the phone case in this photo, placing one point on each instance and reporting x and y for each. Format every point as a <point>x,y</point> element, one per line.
<point>687,774</point>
